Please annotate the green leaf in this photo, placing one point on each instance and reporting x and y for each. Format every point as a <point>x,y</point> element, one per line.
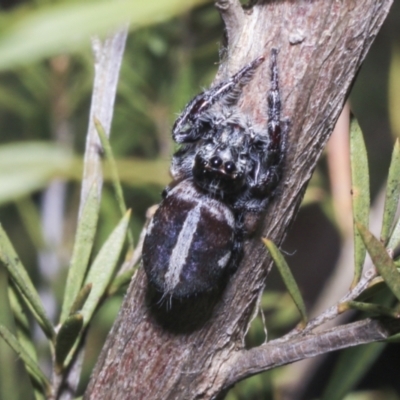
<point>14,102</point>
<point>360,194</point>
<point>394,240</point>
<point>120,281</point>
<point>81,299</point>
<point>83,245</point>
<point>26,167</point>
<point>30,217</point>
<point>138,171</point>
<point>353,363</point>
<point>66,338</point>
<point>394,90</point>
<point>112,165</point>
<point>33,369</point>
<point>30,166</point>
<point>392,195</point>
<point>376,286</point>
<point>282,318</point>
<point>381,259</point>
<point>102,269</point>
<point>23,329</point>
<point>23,283</point>
<point>288,278</point>
<point>101,272</point>
<point>373,309</point>
<point>60,27</point>
<point>38,395</point>
<point>114,172</point>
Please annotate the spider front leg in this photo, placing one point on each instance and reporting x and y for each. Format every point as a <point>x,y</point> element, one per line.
<point>188,127</point>
<point>267,151</point>
<point>182,162</point>
<point>277,131</point>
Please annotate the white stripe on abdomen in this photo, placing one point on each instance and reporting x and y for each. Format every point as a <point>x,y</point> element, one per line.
<point>181,250</point>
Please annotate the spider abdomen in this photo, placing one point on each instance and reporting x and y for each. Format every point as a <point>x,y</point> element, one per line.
<point>189,242</point>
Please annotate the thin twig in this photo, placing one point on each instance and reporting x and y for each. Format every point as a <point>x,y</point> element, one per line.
<point>233,15</point>
<point>334,311</point>
<point>262,358</point>
<point>333,289</point>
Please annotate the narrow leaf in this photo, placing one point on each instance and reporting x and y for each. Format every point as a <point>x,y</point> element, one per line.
<point>38,395</point>
<point>81,299</point>
<point>114,172</point>
<point>360,194</point>
<point>353,363</point>
<point>9,372</point>
<point>392,194</point>
<point>374,309</point>
<point>62,26</point>
<point>376,286</point>
<point>381,259</point>
<point>139,171</point>
<point>26,167</point>
<point>394,240</point>
<point>66,338</point>
<point>33,369</point>
<point>23,283</point>
<point>103,267</point>
<point>30,217</point>
<point>120,281</point>
<point>394,90</point>
<point>287,277</point>
<point>101,272</point>
<point>30,166</point>
<point>113,167</point>
<point>23,329</point>
<point>83,245</point>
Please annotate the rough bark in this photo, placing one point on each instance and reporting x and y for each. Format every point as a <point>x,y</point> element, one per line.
<point>195,350</point>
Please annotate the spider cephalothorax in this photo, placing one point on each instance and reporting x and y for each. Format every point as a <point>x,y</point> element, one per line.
<point>225,169</point>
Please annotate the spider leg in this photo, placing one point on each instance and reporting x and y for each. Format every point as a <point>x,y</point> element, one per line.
<point>186,128</point>
<point>275,132</point>
<point>277,129</point>
<point>182,162</point>
<point>268,156</point>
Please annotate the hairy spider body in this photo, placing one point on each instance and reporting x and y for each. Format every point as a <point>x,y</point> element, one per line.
<point>198,241</point>
<point>225,169</point>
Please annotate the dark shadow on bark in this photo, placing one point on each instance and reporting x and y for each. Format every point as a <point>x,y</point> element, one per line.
<point>183,316</point>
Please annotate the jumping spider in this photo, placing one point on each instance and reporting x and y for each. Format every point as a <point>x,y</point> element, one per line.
<point>225,169</point>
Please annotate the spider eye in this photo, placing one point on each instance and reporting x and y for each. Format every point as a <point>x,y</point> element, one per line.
<point>200,161</point>
<point>206,125</point>
<point>216,162</point>
<point>230,167</point>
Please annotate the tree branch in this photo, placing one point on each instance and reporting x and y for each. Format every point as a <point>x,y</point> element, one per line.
<point>271,355</point>
<point>334,311</point>
<point>186,350</point>
<point>233,16</point>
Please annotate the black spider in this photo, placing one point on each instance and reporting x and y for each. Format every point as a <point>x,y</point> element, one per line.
<point>225,169</point>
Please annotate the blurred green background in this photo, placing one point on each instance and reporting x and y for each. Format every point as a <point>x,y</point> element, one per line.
<point>171,53</point>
